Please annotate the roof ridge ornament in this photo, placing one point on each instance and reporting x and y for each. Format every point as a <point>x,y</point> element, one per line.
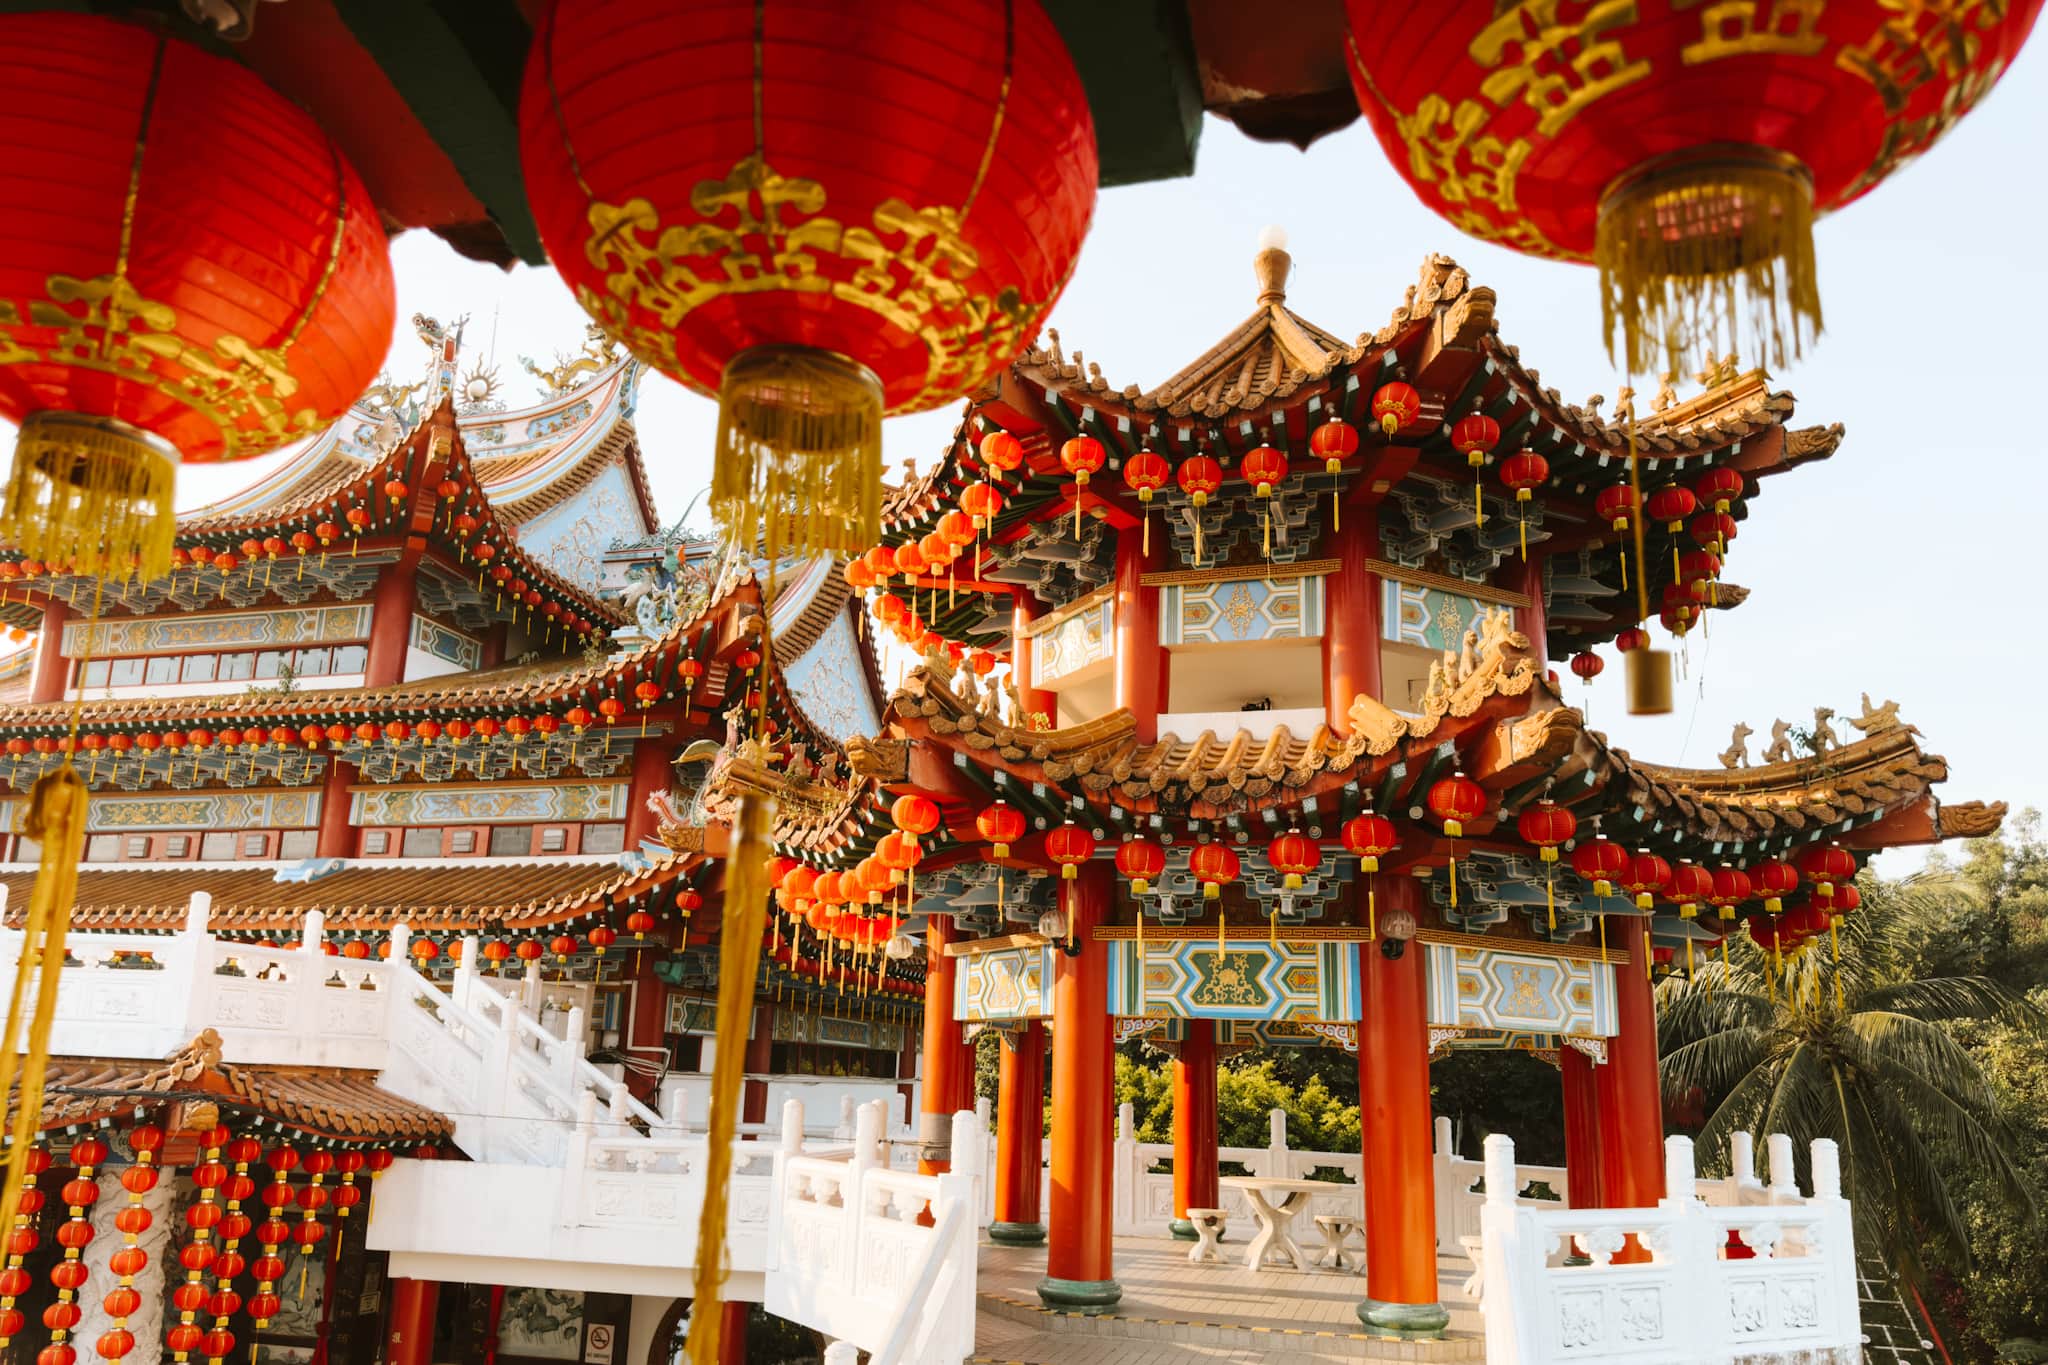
<point>1271,265</point>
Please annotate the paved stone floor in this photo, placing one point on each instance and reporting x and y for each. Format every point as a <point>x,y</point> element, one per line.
<point>1175,1311</point>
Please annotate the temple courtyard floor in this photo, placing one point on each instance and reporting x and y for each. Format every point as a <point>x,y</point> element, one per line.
<point>1173,1310</point>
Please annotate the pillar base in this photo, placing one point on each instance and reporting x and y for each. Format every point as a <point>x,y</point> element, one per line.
<point>1017,1234</point>
<point>1404,1319</point>
<point>1184,1231</point>
<point>1082,1296</point>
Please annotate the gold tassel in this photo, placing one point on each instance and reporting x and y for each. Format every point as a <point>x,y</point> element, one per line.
<point>1679,234</point>
<point>739,953</point>
<point>1273,929</point>
<point>1550,895</point>
<point>797,464</point>
<point>1600,918</point>
<point>56,819</point>
<point>92,492</point>
<point>1372,909</point>
<point>1222,932</point>
<point>1454,876</point>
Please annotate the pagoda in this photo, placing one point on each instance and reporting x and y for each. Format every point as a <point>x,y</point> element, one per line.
<point>1232,723</point>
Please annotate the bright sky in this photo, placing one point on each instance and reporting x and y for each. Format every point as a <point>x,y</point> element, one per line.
<point>1885,569</point>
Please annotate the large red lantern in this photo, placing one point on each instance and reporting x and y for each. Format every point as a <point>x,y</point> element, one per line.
<point>1215,866</point>
<point>1825,865</point>
<point>1199,477</point>
<point>1474,437</point>
<point>192,273</point>
<point>1140,860</point>
<point>1453,801</point>
<point>1601,862</point>
<point>826,222</point>
<point>1773,881</point>
<point>1646,876</point>
<point>1369,838</point>
<point>1069,845</point>
<point>1265,469</point>
<point>1588,665</point>
<point>1394,406</point>
<point>915,813</point>
<point>1002,824</point>
<point>1295,856</point>
<point>1334,442</point>
<point>1525,472</point>
<point>1686,148</point>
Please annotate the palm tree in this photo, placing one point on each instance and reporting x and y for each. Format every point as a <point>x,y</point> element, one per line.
<point>1840,1041</point>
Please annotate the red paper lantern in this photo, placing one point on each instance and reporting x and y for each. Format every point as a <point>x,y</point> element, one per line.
<point>1069,845</point>
<point>825,223</point>
<point>1264,468</point>
<point>1548,826</point>
<point>603,937</point>
<point>1825,865</point>
<point>1671,504</point>
<point>1140,861</point>
<point>208,280</point>
<point>1687,149</point>
<point>1334,442</point>
<point>1369,837</point>
<point>1631,637</point>
<point>1000,824</point>
<point>1601,863</point>
<point>1719,487</point>
<point>1199,477</point>
<point>1691,886</point>
<point>1588,665</point>
<point>1645,876</point>
<point>563,946</point>
<point>1395,405</point>
<point>914,813</point>
<point>1730,889</point>
<point>983,502</point>
<point>1294,856</point>
<point>1001,451</point>
<point>1454,800</point>
<point>1616,505</point>
<point>1214,866</point>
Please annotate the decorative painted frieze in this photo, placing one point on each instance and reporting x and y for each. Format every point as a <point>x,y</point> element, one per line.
<point>175,634</point>
<point>1191,979</point>
<point>1428,615</point>
<point>195,811</point>
<point>1006,983</point>
<point>498,803</point>
<point>1075,640</point>
<point>1497,990</point>
<point>1240,610</point>
<point>431,637</point>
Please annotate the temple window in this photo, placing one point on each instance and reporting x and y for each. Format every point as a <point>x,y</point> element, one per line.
<point>604,838</point>
<point>323,661</point>
<point>217,848</point>
<point>137,846</point>
<point>421,843</point>
<point>553,839</point>
<point>511,841</point>
<point>376,842</point>
<point>462,841</point>
<point>177,846</point>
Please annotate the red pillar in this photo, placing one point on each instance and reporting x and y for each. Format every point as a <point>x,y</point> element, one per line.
<point>409,1327</point>
<point>1581,1128</point>
<point>1140,662</point>
<point>1630,1106</point>
<point>1393,1099</point>
<point>964,1074</point>
<point>941,1051</point>
<point>391,621</point>
<point>337,835</point>
<point>754,1092</point>
<point>1023,611</point>
<point>651,773</point>
<point>1079,1255</point>
<point>732,1332</point>
<point>1351,614</point>
<point>52,670</point>
<point>1194,1125</point>
<point>1020,1137</point>
<point>1532,619</point>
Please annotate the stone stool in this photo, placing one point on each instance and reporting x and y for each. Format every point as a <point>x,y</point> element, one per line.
<point>1208,1232</point>
<point>1336,1229</point>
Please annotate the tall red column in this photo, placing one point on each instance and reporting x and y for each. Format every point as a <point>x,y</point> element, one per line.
<point>1079,1255</point>
<point>1020,1137</point>
<point>941,1051</point>
<point>52,670</point>
<point>651,775</point>
<point>1393,1102</point>
<point>1023,611</point>
<point>1581,1128</point>
<point>391,621</point>
<point>732,1332</point>
<point>1630,1106</point>
<point>1140,663</point>
<point>409,1326</point>
<point>337,836</point>
<point>1194,1125</point>
<point>760,1051</point>
<point>1351,613</point>
<point>1532,619</point>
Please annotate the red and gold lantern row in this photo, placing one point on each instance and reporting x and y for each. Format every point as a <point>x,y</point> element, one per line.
<point>1454,800</point>
<point>1140,861</point>
<point>1145,473</point>
<point>1199,477</point>
<point>1334,442</point>
<point>1295,856</point>
<point>1215,866</point>
<point>1265,469</point>
<point>193,273</point>
<point>22,1239</point>
<point>1369,838</point>
<point>825,224</point>
<point>1684,148</point>
<point>145,1140</point>
<point>1548,826</point>
<point>197,1256</point>
<point>79,1194</point>
<point>272,1233</point>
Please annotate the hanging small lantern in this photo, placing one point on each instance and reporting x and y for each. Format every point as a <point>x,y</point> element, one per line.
<point>1548,826</point>
<point>983,502</point>
<point>272,1234</point>
<point>1140,861</point>
<point>1295,856</point>
<point>1601,863</point>
<point>1719,487</point>
<point>1671,504</point>
<point>563,946</point>
<point>530,949</point>
<point>1369,837</point>
<point>1712,531</point>
<point>638,923</point>
<point>1265,469</point>
<point>1001,824</point>
<point>602,937</point>
<point>1395,405</point>
<point>1645,877</point>
<point>1215,865</point>
<point>1334,442</point>
<point>1587,665</point>
<point>1000,453</point>
<point>1453,801</point>
<point>1826,866</point>
<point>1145,473</point>
<point>312,1198</point>
<point>348,1194</point>
<point>1199,477</point>
<point>1524,472</point>
<point>1081,456</point>
<point>1474,437</point>
<point>1069,845</point>
<point>1691,887</point>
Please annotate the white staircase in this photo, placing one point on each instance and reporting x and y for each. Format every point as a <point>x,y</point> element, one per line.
<point>572,1182</point>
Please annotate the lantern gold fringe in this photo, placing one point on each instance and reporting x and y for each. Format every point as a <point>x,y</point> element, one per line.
<point>739,958</point>
<point>56,818</point>
<point>92,494</point>
<point>797,467</point>
<point>1687,245</point>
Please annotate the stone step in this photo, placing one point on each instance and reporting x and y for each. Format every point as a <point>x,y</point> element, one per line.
<point>1072,1331</point>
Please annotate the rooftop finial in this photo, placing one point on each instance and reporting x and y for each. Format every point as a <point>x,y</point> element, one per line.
<point>1272,263</point>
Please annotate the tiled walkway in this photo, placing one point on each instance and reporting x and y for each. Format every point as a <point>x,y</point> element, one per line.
<point>1174,1311</point>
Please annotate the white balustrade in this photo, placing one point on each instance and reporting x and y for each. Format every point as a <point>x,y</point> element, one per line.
<point>880,1258</point>
<point>1661,1285</point>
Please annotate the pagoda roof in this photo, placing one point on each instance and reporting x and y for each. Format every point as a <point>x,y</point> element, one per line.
<point>356,894</point>
<point>337,1103</point>
<point>1274,378</point>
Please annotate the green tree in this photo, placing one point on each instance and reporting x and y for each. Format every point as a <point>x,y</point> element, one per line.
<point>1862,1052</point>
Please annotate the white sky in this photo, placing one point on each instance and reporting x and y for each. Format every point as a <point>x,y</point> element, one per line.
<point>1897,567</point>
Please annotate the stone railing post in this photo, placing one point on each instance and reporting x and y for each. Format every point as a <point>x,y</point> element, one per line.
<point>675,1112</point>
<point>314,933</point>
<point>196,946</point>
<point>843,1130</point>
<point>465,972</point>
<point>1742,1159</point>
<point>621,1107</point>
<point>1680,1177</point>
<point>1500,1169</point>
<point>1784,1183</point>
<point>576,1162</point>
<point>792,1124</point>
<point>570,1050</point>
<point>1502,1294</point>
<point>1126,1173</point>
<point>1276,1143</point>
<point>1836,1243</point>
<point>530,990</point>
<point>1443,1153</point>
<point>1827,1169</point>
<point>842,1353</point>
<point>401,943</point>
